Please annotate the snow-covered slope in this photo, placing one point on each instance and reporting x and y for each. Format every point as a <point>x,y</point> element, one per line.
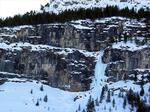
<point>57,6</point>
<point>17,97</point>
<point>21,95</point>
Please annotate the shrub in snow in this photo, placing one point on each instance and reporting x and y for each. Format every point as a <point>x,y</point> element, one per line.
<point>90,105</point>
<point>149,89</point>
<point>37,103</point>
<point>31,91</point>
<point>79,108</point>
<point>108,97</point>
<point>113,103</point>
<point>97,102</point>
<point>45,98</point>
<point>41,88</point>
<point>142,91</point>
<point>110,109</point>
<point>124,102</point>
<point>102,94</point>
<point>83,110</point>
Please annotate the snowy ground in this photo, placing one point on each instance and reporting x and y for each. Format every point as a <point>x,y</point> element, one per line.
<point>16,97</point>
<point>131,46</point>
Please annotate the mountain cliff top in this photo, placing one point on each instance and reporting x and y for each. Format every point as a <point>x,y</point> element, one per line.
<point>58,6</point>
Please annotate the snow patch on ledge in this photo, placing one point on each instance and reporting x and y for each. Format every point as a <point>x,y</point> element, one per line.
<point>82,27</point>
<point>131,46</point>
<point>142,70</point>
<point>39,47</point>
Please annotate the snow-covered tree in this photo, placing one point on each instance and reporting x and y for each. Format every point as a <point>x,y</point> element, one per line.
<point>41,88</point>
<point>108,97</point>
<point>45,98</point>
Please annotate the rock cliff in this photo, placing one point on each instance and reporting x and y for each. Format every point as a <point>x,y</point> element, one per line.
<point>64,54</point>
<point>124,62</point>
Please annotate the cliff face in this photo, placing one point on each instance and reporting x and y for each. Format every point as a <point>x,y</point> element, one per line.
<point>64,55</point>
<point>63,68</point>
<point>83,34</point>
<point>64,35</point>
<point>131,59</point>
<point>123,63</point>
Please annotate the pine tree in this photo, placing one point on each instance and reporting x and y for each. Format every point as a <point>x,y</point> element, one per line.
<point>90,105</point>
<point>79,108</point>
<point>108,97</point>
<point>130,96</point>
<point>33,18</point>
<point>97,102</point>
<point>105,107</point>
<point>37,103</point>
<point>113,103</point>
<point>125,38</point>
<point>45,98</point>
<point>106,88</point>
<point>110,109</point>
<point>42,8</point>
<point>120,94</point>
<point>41,88</point>
<point>149,99</point>
<point>124,102</point>
<point>142,91</point>
<point>83,110</point>
<point>102,94</point>
<point>137,98</point>
<point>31,91</point>
<point>145,40</point>
<point>112,93</point>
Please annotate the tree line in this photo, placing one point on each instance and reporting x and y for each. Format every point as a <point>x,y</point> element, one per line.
<point>32,18</point>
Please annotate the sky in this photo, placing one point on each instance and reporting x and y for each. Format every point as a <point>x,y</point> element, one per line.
<point>13,7</point>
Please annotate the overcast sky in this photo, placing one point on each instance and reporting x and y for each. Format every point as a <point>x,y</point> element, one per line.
<point>12,7</point>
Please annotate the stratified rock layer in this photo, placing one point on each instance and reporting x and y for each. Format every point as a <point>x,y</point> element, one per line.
<point>64,55</point>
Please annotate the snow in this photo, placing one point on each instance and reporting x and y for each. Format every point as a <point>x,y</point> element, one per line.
<point>16,92</point>
<point>58,6</point>
<point>17,28</point>
<point>6,35</point>
<point>39,47</point>
<point>134,23</point>
<point>81,27</point>
<point>126,85</point>
<point>142,70</point>
<point>16,97</point>
<point>131,46</point>
<point>7,73</point>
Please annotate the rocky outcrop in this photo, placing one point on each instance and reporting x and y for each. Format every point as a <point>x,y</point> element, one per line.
<point>122,63</point>
<point>140,76</point>
<point>82,34</point>
<point>63,35</point>
<point>63,68</point>
<point>64,54</point>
